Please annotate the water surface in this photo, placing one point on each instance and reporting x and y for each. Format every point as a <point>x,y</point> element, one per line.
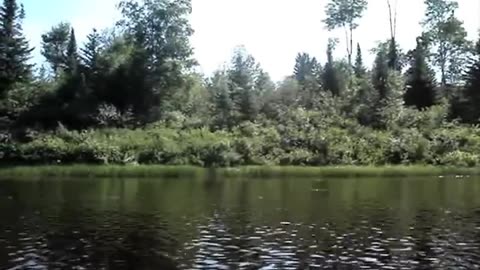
<point>427,223</point>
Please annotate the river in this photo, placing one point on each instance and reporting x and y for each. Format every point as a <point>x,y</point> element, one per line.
<point>414,223</point>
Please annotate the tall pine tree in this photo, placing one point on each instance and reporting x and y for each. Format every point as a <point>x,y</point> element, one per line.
<point>223,106</point>
<point>330,75</point>
<point>393,57</point>
<point>91,51</point>
<point>304,65</point>
<point>242,74</point>
<point>359,68</point>
<point>14,48</point>
<point>380,74</point>
<point>472,90</point>
<point>307,72</point>
<point>72,54</point>
<point>421,79</point>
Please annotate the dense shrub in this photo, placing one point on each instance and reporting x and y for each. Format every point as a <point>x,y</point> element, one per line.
<point>298,137</point>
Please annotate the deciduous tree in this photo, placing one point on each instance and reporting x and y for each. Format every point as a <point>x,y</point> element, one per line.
<point>55,45</point>
<point>345,14</point>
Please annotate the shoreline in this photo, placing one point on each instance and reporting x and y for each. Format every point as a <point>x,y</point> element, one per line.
<point>152,171</point>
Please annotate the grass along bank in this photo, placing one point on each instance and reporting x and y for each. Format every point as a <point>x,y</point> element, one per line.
<point>152,171</point>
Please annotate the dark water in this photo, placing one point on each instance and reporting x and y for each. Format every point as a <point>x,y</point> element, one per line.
<point>240,224</point>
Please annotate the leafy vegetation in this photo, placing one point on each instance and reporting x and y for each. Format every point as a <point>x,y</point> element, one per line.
<point>130,96</point>
<point>255,172</point>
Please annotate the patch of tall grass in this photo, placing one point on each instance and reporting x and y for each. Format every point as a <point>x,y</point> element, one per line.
<point>113,171</point>
<point>253,172</point>
<point>346,171</point>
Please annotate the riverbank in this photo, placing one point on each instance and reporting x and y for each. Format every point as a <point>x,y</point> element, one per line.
<point>250,144</point>
<point>152,171</point>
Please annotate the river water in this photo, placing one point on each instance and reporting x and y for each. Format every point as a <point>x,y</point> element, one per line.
<point>421,223</point>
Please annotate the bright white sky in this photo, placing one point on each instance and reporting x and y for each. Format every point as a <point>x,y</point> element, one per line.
<point>273,31</point>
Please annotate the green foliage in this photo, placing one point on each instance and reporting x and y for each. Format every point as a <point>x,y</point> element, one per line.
<point>471,94</point>
<point>55,45</point>
<point>380,73</point>
<point>307,72</point>
<point>394,61</point>
<point>359,68</point>
<point>241,76</point>
<point>91,52</point>
<point>304,67</point>
<point>222,100</point>
<point>159,33</point>
<point>331,80</point>
<point>14,48</point>
<point>345,14</point>
<point>461,159</point>
<point>448,38</point>
<point>240,90</point>
<point>299,137</point>
<point>421,80</point>
<point>72,54</point>
<point>130,96</point>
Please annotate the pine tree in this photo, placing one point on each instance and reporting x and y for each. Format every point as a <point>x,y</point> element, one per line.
<point>380,74</point>
<point>307,72</point>
<point>263,82</point>
<point>91,51</point>
<point>330,76</point>
<point>359,68</point>
<point>304,65</point>
<point>14,48</point>
<point>393,57</point>
<point>472,90</point>
<point>72,54</point>
<point>421,80</point>
<point>222,101</point>
<point>242,74</point>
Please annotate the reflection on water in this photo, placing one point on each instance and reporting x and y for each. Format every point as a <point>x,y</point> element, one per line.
<point>240,224</point>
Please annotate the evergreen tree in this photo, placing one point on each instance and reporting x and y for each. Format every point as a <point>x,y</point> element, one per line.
<point>14,48</point>
<point>393,58</point>
<point>263,82</point>
<point>242,74</point>
<point>420,80</point>
<point>72,54</point>
<point>330,76</point>
<point>307,72</point>
<point>380,74</point>
<point>90,62</point>
<point>472,90</point>
<point>55,45</point>
<point>91,51</point>
<point>393,53</point>
<point>304,66</point>
<point>359,68</point>
<point>222,101</point>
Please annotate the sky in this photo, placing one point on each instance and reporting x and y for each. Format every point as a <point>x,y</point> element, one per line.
<point>273,31</point>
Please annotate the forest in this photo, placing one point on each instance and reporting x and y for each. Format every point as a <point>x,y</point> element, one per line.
<point>131,95</point>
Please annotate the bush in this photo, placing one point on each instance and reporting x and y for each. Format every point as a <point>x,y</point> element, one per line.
<point>300,138</point>
<point>408,147</point>
<point>460,159</point>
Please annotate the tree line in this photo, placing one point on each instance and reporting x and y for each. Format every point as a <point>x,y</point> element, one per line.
<point>141,71</point>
